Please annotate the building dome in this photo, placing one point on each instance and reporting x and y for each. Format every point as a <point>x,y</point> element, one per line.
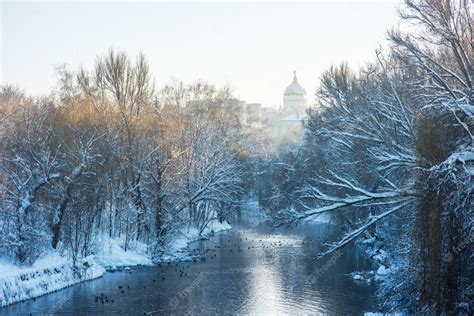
<point>294,98</point>
<point>294,88</point>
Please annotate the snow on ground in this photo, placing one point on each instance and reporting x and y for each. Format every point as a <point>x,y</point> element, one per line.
<point>110,252</point>
<point>363,276</point>
<point>177,249</point>
<point>54,272</point>
<point>46,275</point>
<point>215,226</point>
<point>382,271</point>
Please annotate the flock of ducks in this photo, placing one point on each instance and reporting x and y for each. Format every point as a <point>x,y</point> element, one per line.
<point>209,253</point>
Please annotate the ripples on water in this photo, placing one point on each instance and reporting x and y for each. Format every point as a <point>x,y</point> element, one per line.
<point>253,269</point>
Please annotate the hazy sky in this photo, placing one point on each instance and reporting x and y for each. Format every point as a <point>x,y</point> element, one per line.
<point>254,47</point>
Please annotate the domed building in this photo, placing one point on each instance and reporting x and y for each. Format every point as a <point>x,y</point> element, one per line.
<point>294,98</point>
<point>283,124</point>
<point>287,124</point>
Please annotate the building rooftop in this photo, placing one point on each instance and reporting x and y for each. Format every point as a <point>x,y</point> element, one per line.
<point>294,88</point>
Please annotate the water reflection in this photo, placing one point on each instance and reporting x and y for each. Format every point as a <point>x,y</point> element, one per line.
<point>254,269</point>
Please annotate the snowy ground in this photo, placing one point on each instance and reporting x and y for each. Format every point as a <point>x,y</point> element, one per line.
<point>177,248</point>
<point>110,253</point>
<point>48,274</point>
<point>54,272</point>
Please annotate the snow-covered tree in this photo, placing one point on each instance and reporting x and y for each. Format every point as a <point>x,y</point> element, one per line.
<point>29,164</point>
<point>393,144</point>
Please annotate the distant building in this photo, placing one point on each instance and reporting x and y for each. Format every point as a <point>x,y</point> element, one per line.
<point>294,98</point>
<point>289,125</point>
<point>282,124</point>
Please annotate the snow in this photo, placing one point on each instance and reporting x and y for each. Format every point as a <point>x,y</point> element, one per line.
<point>357,277</point>
<point>111,253</point>
<point>369,240</point>
<point>215,226</point>
<point>324,218</point>
<point>54,272</point>
<point>177,249</point>
<point>46,275</point>
<point>363,276</point>
<point>380,255</point>
<point>462,156</point>
<point>467,108</point>
<point>382,270</point>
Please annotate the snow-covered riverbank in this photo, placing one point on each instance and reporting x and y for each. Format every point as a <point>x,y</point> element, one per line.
<point>53,272</point>
<point>47,275</point>
<point>178,247</point>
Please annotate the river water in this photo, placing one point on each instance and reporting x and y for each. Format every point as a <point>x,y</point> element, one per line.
<point>252,269</point>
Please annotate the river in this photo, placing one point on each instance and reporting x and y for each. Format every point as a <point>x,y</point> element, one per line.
<point>253,269</point>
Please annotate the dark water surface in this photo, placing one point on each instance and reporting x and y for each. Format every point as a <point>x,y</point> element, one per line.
<point>253,269</point>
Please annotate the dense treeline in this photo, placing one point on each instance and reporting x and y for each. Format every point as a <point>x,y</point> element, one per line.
<point>388,153</point>
<point>107,154</point>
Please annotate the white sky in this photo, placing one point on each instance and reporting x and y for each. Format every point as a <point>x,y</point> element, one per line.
<point>254,47</point>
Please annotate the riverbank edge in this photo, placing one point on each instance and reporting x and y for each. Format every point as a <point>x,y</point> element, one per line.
<point>54,272</point>
<point>48,275</point>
